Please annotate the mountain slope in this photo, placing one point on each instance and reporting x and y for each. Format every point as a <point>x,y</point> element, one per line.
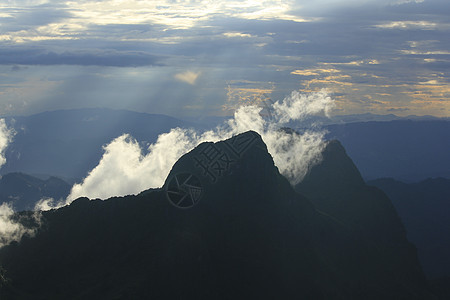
<point>226,225</point>
<point>423,208</point>
<point>336,188</point>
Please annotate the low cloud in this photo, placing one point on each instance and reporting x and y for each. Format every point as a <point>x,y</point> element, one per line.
<point>48,203</point>
<point>11,229</point>
<point>126,168</point>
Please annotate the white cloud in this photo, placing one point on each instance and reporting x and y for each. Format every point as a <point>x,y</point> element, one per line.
<point>124,168</point>
<point>48,203</point>
<point>434,52</point>
<point>237,34</point>
<point>399,2</point>
<point>188,77</point>
<point>11,230</point>
<point>430,82</point>
<point>426,25</point>
<point>5,138</point>
<point>298,106</point>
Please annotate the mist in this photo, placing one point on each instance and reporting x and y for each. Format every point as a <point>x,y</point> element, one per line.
<point>126,168</point>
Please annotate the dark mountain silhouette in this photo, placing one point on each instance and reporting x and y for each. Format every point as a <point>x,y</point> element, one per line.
<point>404,150</point>
<point>226,225</point>
<point>424,209</point>
<point>24,191</point>
<point>68,143</point>
<point>336,188</point>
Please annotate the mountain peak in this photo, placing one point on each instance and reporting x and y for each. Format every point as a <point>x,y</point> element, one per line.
<point>225,225</point>
<point>336,171</point>
<point>241,162</point>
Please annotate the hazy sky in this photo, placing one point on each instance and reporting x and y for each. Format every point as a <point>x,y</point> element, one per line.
<point>197,57</point>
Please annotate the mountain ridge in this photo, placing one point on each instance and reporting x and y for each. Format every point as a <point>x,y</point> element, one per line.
<point>24,191</point>
<point>244,233</point>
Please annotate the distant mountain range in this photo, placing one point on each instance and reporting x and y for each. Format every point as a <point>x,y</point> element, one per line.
<point>24,191</point>
<point>332,120</point>
<point>230,227</point>
<point>68,143</point>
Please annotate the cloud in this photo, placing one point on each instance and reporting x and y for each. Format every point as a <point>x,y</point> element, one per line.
<point>6,136</point>
<point>424,25</point>
<point>188,77</point>
<point>46,203</point>
<point>95,57</point>
<point>430,82</point>
<point>237,34</point>
<point>399,2</point>
<point>11,228</point>
<point>304,73</point>
<point>298,106</point>
<point>38,15</point>
<point>435,52</point>
<point>126,168</point>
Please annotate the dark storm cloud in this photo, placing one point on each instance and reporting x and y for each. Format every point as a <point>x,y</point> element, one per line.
<point>113,58</point>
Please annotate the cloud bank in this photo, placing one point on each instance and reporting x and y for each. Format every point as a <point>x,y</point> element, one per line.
<point>126,168</point>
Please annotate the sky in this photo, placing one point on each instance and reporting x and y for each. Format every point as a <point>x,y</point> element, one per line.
<point>197,58</point>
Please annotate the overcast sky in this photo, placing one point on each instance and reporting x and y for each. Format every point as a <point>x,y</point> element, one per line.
<point>198,57</point>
